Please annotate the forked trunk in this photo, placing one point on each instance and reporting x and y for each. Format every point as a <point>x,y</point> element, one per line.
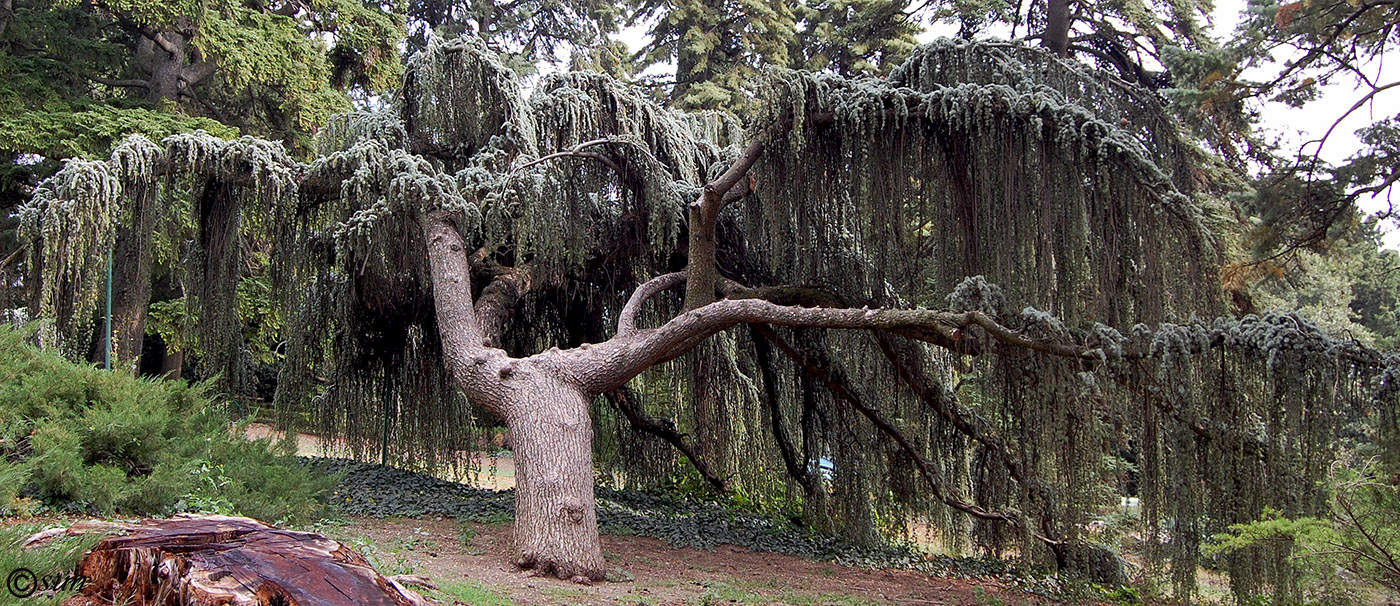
<point>556,524</point>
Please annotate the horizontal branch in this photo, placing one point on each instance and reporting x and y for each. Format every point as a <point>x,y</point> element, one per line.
<point>629,354</point>
<point>120,83</point>
<point>577,151</point>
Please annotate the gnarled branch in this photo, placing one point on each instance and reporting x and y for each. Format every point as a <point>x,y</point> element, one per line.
<point>615,362</point>
<point>627,320</point>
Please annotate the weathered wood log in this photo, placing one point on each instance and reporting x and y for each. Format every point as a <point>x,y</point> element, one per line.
<point>221,560</point>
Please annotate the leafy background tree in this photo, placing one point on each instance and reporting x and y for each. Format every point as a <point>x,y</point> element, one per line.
<point>85,75</point>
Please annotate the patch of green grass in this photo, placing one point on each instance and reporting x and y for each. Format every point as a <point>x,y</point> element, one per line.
<point>495,518</point>
<point>826,599</point>
<point>563,592</point>
<point>726,593</point>
<point>473,593</point>
<point>55,560</point>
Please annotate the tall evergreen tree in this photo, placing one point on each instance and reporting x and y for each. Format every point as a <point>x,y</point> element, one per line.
<point>961,284</point>
<point>717,47</point>
<point>522,32</point>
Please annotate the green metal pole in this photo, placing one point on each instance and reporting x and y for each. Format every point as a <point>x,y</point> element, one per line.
<point>107,357</point>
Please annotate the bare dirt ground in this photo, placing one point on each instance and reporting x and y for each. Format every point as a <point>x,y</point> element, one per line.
<point>471,563</point>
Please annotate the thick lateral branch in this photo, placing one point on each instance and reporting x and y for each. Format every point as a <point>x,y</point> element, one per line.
<point>498,300</point>
<point>626,356</point>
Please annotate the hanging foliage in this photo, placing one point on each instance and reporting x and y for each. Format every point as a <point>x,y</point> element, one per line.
<point>1050,209</point>
<point>68,225</point>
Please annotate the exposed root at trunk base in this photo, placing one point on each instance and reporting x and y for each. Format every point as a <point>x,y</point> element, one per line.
<point>583,575</point>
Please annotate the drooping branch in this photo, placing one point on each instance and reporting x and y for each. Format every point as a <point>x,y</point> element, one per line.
<point>798,467</point>
<point>910,373</point>
<point>835,380</point>
<point>625,402</point>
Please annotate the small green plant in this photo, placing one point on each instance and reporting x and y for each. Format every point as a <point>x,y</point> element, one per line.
<point>466,535</point>
<point>983,598</point>
<point>1124,595</point>
<point>1357,537</point>
<point>56,560</point>
<point>208,497</point>
<point>472,593</point>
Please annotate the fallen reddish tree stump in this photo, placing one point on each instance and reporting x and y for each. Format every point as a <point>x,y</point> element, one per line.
<point>220,560</point>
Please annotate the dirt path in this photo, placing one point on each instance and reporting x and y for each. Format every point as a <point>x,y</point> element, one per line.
<point>470,562</point>
<point>496,473</point>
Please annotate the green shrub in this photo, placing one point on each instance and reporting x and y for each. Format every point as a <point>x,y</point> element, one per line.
<point>82,439</point>
<point>1339,557</point>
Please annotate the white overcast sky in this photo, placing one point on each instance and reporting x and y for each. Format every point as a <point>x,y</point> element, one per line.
<point>1294,126</point>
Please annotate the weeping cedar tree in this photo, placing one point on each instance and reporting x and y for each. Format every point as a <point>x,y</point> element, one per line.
<point>584,258</point>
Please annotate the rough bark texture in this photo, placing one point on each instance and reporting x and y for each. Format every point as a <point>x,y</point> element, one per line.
<point>131,295</point>
<point>224,560</point>
<point>1057,17</point>
<point>556,522</point>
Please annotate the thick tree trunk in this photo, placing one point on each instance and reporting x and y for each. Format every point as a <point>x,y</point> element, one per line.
<point>131,295</point>
<point>171,363</point>
<point>166,66</point>
<point>556,523</point>
<point>1057,22</point>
